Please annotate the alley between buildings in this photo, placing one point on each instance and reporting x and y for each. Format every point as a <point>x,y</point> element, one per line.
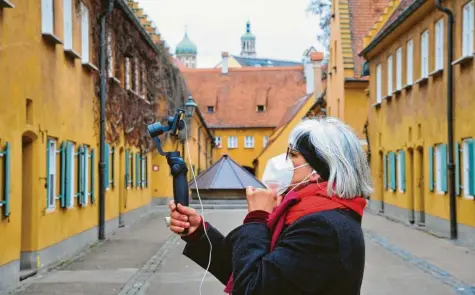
<point>144,258</point>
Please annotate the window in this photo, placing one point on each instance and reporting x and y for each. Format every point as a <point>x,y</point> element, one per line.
<point>110,166</point>
<point>260,108</point>
<point>51,173</point>
<point>265,141</point>
<point>127,73</point>
<point>129,161</point>
<point>425,54</point>
<point>467,29</point>
<point>392,171</point>
<point>143,80</point>
<point>210,109</point>
<point>47,17</point>
<point>439,45</point>
<point>390,75</point>
<point>441,168</point>
<point>232,142</point>
<point>249,142</point>
<point>68,24</point>
<point>399,69</point>
<point>410,63</point>
<point>468,154</point>
<point>401,169</point>
<point>217,141</point>
<point>379,93</point>
<point>85,33</point>
<point>86,170</point>
<point>110,55</point>
<point>136,75</point>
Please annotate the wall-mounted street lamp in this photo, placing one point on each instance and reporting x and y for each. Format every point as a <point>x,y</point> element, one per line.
<point>190,107</point>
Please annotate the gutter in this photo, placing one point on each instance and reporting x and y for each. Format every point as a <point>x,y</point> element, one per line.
<point>102,127</point>
<point>450,119</point>
<point>414,6</point>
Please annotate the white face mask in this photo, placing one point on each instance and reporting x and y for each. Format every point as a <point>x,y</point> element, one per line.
<point>279,172</point>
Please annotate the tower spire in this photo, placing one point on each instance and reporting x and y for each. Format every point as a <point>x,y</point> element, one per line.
<point>248,42</point>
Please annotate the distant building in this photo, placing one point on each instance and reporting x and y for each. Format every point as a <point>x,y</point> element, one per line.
<point>186,52</point>
<point>248,42</point>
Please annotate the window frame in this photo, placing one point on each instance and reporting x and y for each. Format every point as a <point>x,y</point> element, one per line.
<point>52,149</point>
<point>425,39</point>
<point>410,62</point>
<point>399,69</point>
<point>249,142</point>
<point>85,34</point>
<point>379,82</point>
<point>468,28</point>
<point>439,45</point>
<point>389,75</point>
<point>232,142</point>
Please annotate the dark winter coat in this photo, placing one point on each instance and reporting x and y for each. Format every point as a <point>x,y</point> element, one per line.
<point>319,254</point>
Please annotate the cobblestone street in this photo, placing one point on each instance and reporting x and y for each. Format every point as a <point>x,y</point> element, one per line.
<point>144,258</point>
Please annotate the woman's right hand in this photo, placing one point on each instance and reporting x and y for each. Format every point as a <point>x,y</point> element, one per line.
<point>183,217</point>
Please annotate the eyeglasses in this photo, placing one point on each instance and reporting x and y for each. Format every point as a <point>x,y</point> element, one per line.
<point>290,150</point>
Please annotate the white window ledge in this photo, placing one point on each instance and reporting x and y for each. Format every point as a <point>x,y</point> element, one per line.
<point>71,53</point>
<point>463,60</point>
<point>52,38</point>
<point>422,81</point>
<point>376,105</point>
<point>436,73</point>
<point>89,66</point>
<point>6,4</point>
<point>114,79</point>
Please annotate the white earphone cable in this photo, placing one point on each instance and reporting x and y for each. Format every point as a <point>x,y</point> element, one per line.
<point>201,204</point>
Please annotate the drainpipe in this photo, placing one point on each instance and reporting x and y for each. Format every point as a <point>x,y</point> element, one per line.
<point>102,163</point>
<point>450,119</point>
<point>367,142</point>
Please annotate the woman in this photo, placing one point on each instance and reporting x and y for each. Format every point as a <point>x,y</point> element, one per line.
<point>309,242</point>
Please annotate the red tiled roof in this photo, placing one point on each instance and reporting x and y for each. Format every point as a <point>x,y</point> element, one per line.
<point>235,96</point>
<point>396,14</point>
<point>363,14</point>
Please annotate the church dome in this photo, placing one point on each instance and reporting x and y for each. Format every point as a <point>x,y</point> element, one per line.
<point>248,35</point>
<point>186,46</point>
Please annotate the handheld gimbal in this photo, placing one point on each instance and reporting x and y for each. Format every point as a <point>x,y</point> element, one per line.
<point>177,164</point>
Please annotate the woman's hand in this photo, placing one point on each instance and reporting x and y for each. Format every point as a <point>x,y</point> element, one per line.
<point>261,199</point>
<point>183,217</point>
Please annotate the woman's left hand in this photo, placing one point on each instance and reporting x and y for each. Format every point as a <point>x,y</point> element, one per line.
<point>261,199</point>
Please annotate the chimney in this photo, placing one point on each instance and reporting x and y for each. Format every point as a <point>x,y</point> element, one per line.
<point>224,63</point>
<point>316,58</point>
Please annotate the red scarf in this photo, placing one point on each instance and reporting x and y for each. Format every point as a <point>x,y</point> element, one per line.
<point>310,199</point>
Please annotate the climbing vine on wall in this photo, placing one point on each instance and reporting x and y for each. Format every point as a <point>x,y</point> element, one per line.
<point>128,112</point>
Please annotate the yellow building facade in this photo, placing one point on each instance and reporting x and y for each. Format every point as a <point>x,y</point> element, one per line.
<point>49,138</point>
<point>346,96</point>
<point>408,129</point>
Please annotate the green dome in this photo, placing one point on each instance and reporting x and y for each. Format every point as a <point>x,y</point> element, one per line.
<point>186,46</point>
<point>248,35</point>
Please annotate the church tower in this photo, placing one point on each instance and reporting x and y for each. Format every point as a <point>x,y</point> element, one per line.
<point>186,52</point>
<point>248,42</point>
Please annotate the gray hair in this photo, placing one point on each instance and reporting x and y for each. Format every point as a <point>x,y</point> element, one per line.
<point>339,146</point>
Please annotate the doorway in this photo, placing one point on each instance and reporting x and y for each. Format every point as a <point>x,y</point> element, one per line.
<point>122,187</point>
<point>28,205</point>
<point>382,179</point>
<point>420,201</point>
<point>410,187</point>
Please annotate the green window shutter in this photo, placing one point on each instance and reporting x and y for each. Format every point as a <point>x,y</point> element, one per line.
<point>63,170</point>
<point>457,168</point>
<point>443,167</point>
<point>68,174</point>
<point>471,167</point>
<point>392,170</point>
<point>93,177</point>
<point>385,171</point>
<point>112,180</point>
<point>48,184</point>
<point>431,168</point>
<point>137,170</point>
<point>107,158</point>
<point>127,168</point>
<point>81,175</point>
<point>402,173</point>
<point>146,171</point>
<point>5,201</point>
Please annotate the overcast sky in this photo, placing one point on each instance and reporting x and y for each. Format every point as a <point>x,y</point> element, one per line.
<point>283,28</point>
